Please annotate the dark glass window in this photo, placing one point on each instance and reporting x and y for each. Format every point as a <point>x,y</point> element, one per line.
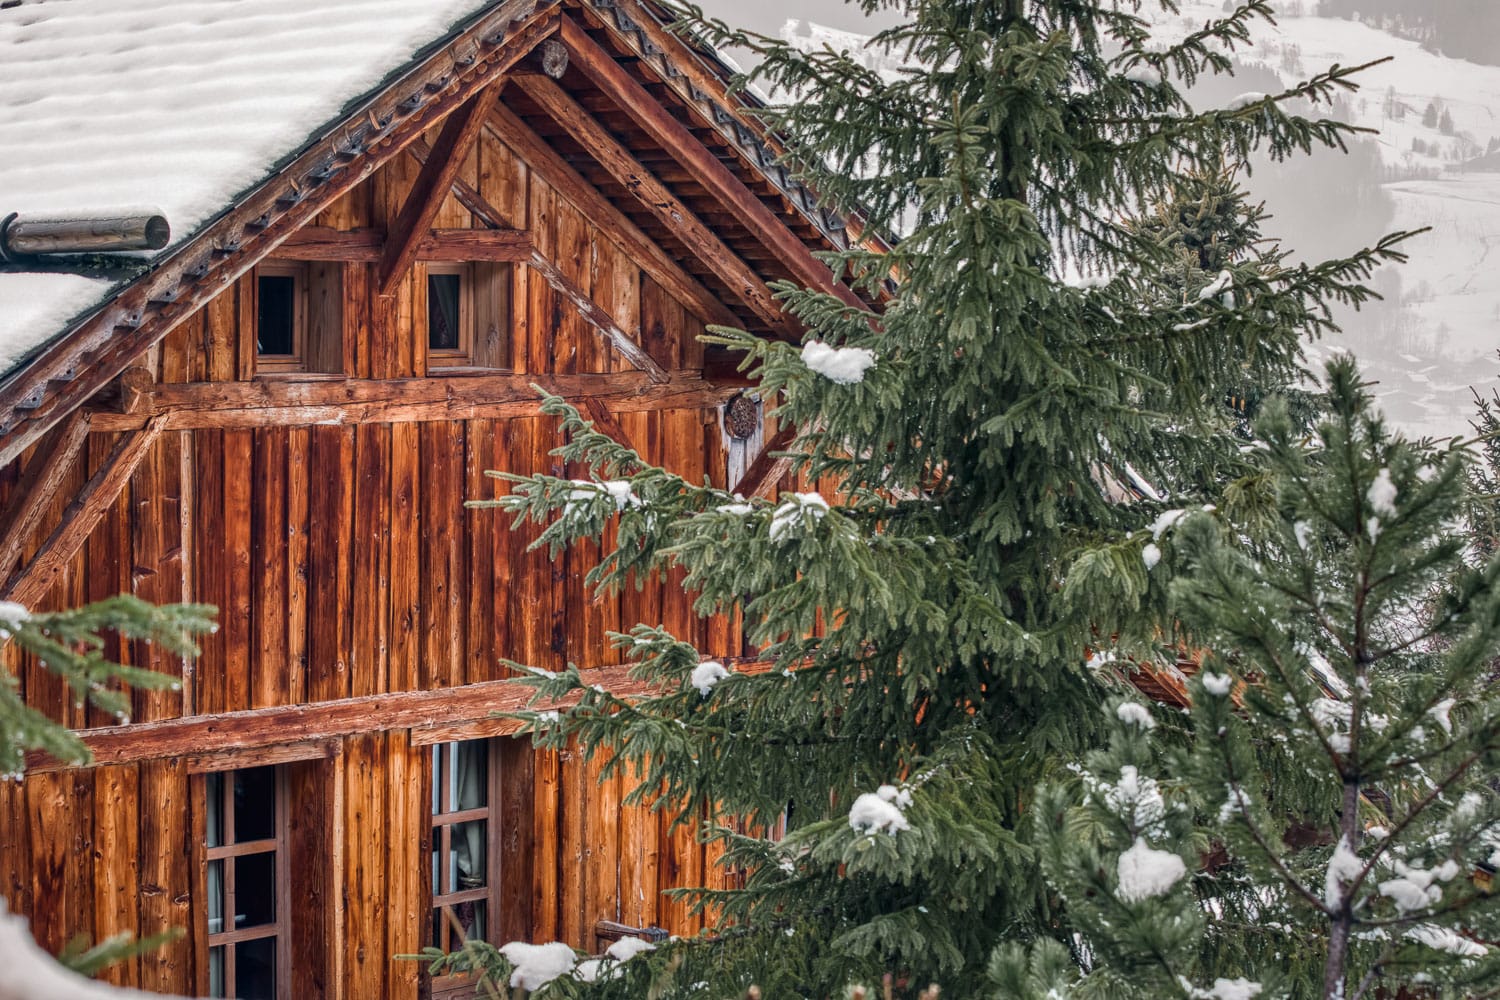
<point>276,314</point>
<point>443,312</point>
<point>246,909</point>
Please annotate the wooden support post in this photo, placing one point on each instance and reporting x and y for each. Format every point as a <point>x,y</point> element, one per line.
<point>82,515</point>
<point>613,223</point>
<point>432,186</point>
<point>765,472</point>
<point>684,147</point>
<point>656,197</point>
<point>38,486</point>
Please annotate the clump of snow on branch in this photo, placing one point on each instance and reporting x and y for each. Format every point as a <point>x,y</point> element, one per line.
<point>1135,798</point>
<point>1382,494</point>
<point>1144,73</point>
<point>844,365</point>
<point>12,615</point>
<point>1343,868</point>
<point>789,515</point>
<point>536,965</point>
<point>1442,939</point>
<point>1150,555</point>
<point>707,674</point>
<point>1225,989</point>
<point>1133,714</point>
<point>585,491</point>
<point>1219,286</point>
<point>1217,685</point>
<point>1146,872</point>
<point>595,970</point>
<point>1246,99</point>
<point>1414,888</point>
<point>1439,713</point>
<point>881,811</point>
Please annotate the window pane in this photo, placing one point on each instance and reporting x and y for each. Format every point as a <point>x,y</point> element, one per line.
<point>439,751</point>
<point>255,969</point>
<point>443,292</point>
<point>467,870</point>
<point>216,898</point>
<point>451,918</point>
<point>216,971</point>
<point>471,918</point>
<point>254,890</point>
<point>215,811</point>
<point>437,865</point>
<point>254,804</point>
<point>470,775</point>
<point>275,315</point>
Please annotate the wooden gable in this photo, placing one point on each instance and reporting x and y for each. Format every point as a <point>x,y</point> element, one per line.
<point>364,611</point>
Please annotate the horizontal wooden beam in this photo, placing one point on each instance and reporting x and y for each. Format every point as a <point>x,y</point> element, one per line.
<point>642,250</point>
<point>82,516</point>
<point>257,729</point>
<point>365,246</point>
<point>656,198</point>
<point>274,401</point>
<point>606,73</point>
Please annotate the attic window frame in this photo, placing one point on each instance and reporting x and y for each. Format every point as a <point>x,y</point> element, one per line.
<point>297,360</point>
<point>461,356</point>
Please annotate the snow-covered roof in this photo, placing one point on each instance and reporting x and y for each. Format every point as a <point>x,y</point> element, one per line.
<point>176,105</point>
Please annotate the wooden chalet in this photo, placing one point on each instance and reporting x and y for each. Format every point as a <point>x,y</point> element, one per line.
<point>282,414</point>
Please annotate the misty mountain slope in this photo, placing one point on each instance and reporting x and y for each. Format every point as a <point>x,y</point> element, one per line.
<point>1438,120</point>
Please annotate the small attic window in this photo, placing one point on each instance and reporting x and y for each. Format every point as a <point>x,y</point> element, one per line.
<point>298,317</point>
<point>450,325</point>
<point>468,315</point>
<point>280,317</point>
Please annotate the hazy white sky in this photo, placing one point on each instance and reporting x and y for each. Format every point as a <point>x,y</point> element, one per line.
<point>767,16</point>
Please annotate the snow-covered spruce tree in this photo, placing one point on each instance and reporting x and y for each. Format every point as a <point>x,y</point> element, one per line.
<point>928,624</point>
<point>1361,655</point>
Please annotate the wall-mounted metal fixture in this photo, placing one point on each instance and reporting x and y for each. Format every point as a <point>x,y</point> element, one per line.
<point>24,236</point>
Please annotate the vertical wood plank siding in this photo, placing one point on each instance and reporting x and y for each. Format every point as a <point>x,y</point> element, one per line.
<point>344,563</point>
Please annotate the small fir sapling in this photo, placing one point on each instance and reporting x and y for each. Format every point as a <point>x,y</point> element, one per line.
<point>925,617</point>
<point>1359,655</point>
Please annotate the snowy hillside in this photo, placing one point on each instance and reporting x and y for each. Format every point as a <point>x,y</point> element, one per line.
<point>1435,162</point>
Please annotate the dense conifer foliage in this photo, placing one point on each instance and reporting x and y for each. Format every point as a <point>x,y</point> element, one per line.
<point>932,618</point>
<point>1360,654</point>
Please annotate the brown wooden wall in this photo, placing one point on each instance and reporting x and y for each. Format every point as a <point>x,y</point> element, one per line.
<point>344,564</point>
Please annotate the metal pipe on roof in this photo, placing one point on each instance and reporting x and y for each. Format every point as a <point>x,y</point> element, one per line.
<point>24,236</point>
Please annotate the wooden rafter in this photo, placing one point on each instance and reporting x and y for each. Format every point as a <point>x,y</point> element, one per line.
<point>613,223</point>
<point>82,516</point>
<point>80,363</point>
<point>278,402</point>
<point>604,421</point>
<point>656,197</point>
<point>414,222</point>
<point>368,245</point>
<point>769,466</point>
<point>38,487</point>
<point>683,146</point>
<point>597,317</point>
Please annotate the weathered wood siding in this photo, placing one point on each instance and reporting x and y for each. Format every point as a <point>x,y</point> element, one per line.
<point>344,563</point>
